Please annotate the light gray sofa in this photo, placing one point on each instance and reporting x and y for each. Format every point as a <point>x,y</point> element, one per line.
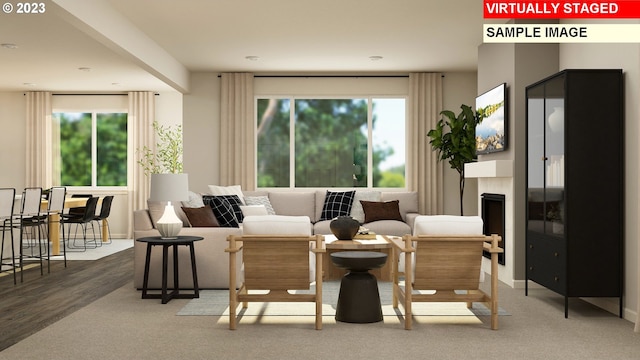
<point>213,262</point>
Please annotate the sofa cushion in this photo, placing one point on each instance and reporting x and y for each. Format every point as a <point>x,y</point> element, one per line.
<point>201,216</point>
<point>227,190</point>
<point>293,203</point>
<point>222,209</point>
<point>235,203</point>
<point>260,200</point>
<point>156,209</point>
<point>356,209</point>
<point>381,210</point>
<point>408,201</point>
<point>337,203</point>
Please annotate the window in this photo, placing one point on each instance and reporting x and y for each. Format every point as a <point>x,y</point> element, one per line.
<point>338,142</point>
<point>92,148</point>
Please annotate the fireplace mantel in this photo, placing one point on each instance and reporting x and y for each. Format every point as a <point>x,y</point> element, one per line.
<point>489,169</point>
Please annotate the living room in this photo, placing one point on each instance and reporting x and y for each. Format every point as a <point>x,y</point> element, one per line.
<point>197,108</point>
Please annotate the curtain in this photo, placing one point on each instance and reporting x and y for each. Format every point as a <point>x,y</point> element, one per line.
<point>425,172</point>
<point>39,142</point>
<point>237,131</point>
<point>140,120</point>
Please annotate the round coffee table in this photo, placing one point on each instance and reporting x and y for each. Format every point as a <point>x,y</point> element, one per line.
<point>359,298</point>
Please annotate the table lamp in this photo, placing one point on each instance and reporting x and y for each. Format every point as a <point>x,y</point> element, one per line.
<point>169,187</point>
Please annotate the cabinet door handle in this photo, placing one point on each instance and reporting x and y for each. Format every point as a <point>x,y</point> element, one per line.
<point>544,158</point>
<point>555,254</point>
<point>530,246</point>
<point>556,279</point>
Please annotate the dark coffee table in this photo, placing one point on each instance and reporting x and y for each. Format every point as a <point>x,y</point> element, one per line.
<point>166,243</point>
<point>359,298</point>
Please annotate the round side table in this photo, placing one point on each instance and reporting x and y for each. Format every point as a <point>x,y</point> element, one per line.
<point>359,298</point>
<point>165,295</point>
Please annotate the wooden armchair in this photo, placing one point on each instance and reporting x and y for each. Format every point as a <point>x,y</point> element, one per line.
<point>276,263</point>
<point>445,263</point>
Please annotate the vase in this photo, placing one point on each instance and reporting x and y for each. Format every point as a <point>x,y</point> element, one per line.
<point>556,120</point>
<point>344,227</point>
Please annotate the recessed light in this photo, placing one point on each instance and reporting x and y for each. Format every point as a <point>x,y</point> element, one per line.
<point>85,69</point>
<point>9,46</point>
<point>375,58</point>
<point>252,58</point>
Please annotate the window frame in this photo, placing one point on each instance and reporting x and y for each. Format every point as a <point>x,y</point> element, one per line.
<point>94,156</point>
<point>292,99</point>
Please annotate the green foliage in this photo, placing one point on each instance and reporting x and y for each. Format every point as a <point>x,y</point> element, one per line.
<point>76,147</point>
<point>454,139</point>
<point>330,143</point>
<point>168,156</point>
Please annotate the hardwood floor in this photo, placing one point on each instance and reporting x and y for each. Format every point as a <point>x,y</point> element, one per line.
<point>40,301</point>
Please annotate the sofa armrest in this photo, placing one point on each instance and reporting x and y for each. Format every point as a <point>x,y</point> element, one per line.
<point>142,220</point>
<point>411,219</point>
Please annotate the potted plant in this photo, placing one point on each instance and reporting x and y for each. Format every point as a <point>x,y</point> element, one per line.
<point>168,183</point>
<point>455,140</point>
<point>168,156</point>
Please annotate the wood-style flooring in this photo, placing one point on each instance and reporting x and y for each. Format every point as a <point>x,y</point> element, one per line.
<point>40,301</point>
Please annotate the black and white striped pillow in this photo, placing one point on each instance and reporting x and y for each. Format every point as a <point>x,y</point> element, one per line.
<point>223,209</point>
<point>337,203</point>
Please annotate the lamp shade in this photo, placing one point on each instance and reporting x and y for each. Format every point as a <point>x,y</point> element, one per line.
<point>169,187</point>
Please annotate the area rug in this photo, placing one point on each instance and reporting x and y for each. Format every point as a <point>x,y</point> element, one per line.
<point>216,303</point>
<point>115,246</point>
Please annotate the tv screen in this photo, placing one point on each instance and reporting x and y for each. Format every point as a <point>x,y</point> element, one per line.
<point>491,133</point>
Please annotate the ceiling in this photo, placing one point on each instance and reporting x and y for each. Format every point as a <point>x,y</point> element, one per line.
<point>288,36</point>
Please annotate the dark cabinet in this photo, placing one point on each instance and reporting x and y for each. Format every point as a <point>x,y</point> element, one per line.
<point>575,174</point>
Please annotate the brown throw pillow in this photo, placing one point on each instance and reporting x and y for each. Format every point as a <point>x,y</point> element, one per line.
<point>379,210</point>
<point>201,217</point>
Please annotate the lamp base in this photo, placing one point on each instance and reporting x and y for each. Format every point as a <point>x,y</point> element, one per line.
<point>169,225</point>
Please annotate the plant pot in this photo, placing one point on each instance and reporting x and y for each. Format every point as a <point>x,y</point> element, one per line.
<point>344,227</point>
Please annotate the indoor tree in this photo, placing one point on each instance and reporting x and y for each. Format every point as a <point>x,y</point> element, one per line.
<point>454,137</point>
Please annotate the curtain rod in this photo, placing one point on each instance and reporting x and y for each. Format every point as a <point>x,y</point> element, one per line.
<point>98,94</point>
<point>328,76</point>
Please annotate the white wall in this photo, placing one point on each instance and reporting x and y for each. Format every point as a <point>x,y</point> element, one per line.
<point>626,57</point>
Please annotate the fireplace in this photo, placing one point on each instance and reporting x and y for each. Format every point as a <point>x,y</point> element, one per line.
<point>493,217</point>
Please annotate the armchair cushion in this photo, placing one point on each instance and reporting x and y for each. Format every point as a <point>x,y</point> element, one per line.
<point>447,225</point>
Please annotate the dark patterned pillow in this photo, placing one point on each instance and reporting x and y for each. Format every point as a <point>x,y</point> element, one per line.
<point>222,209</point>
<point>337,203</point>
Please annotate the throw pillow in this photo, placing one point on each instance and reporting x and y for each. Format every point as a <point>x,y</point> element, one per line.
<point>227,190</point>
<point>222,209</point>
<point>260,200</point>
<point>356,209</point>
<point>337,203</point>
<point>195,201</point>
<point>201,216</point>
<point>381,210</point>
<point>248,210</point>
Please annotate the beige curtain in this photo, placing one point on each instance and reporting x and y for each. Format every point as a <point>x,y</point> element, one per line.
<point>39,142</point>
<point>237,131</point>
<point>425,172</point>
<point>140,120</point>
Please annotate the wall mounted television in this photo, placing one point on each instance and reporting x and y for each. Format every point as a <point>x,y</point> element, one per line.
<point>491,133</point>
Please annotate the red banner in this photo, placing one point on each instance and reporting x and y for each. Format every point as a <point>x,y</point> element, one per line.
<point>561,9</point>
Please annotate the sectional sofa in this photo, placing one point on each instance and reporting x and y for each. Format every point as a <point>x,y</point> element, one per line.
<point>212,260</point>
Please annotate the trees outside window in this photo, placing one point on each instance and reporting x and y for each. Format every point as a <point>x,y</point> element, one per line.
<point>92,148</point>
<point>351,142</point>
